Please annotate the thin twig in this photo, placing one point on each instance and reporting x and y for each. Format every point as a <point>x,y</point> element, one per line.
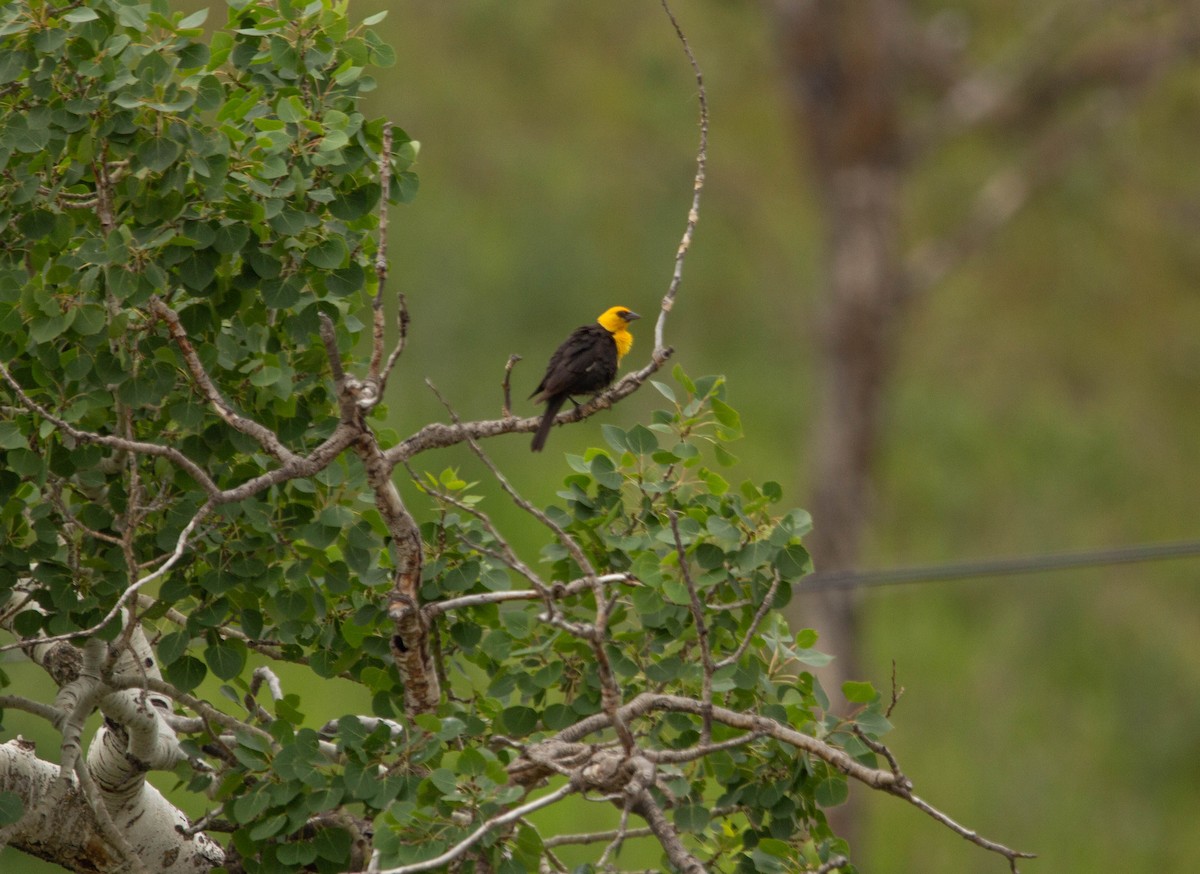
<point>560,533</point>
<point>557,590</point>
<point>962,831</point>
<point>504,553</point>
<point>593,837</point>
<point>691,754</point>
<point>689,233</point>
<point>457,851</point>
<point>897,693</point>
<point>614,846</point>
<point>506,410</point>
<point>763,609</point>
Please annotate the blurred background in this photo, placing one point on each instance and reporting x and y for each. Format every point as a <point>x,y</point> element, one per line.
<point>947,259</point>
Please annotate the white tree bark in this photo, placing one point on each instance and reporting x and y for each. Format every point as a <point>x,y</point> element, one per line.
<point>60,826</point>
<point>112,814</point>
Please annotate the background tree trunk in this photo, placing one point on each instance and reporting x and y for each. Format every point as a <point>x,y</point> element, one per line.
<point>843,82</point>
<point>841,66</point>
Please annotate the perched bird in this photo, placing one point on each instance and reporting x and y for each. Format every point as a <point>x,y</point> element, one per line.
<point>585,363</point>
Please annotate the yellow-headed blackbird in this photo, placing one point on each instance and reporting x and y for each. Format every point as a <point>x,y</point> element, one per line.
<point>585,363</point>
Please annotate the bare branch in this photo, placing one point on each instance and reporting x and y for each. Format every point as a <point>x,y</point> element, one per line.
<point>15,702</point>
<point>618,839</point>
<point>693,218</point>
<point>506,410</point>
<point>564,538</point>
<point>593,837</point>
<point>438,435</point>
<point>457,851</point>
<point>119,443</point>
<point>647,808</point>
<point>410,642</point>
<point>763,609</point>
<point>265,437</point>
<point>556,591</point>
<point>962,831</point>
<point>699,751</point>
<point>649,702</point>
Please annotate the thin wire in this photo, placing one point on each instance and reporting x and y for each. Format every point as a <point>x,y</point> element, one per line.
<point>999,567</point>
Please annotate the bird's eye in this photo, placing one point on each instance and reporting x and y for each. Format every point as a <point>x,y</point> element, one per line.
<point>624,314</point>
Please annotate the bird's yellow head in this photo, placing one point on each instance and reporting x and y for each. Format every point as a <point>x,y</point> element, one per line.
<point>616,321</point>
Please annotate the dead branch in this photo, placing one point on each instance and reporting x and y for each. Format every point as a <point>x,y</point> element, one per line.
<point>506,410</point>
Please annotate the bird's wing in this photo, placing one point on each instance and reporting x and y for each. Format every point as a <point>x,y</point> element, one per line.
<point>585,362</point>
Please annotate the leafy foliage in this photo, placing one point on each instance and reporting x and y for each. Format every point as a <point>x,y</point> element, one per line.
<point>237,181</point>
<point>519,673</point>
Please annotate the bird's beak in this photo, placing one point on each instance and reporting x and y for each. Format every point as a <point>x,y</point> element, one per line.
<point>631,315</point>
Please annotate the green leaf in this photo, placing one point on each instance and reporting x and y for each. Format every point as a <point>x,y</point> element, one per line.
<point>518,721</point>
<point>329,254</point>
<point>269,827</point>
<point>641,440</point>
<point>692,818</point>
<point>793,562</point>
<point>291,109</point>
<point>226,659</point>
<point>615,437</point>
<point>858,692</point>
<point>725,458</point>
<point>716,483</point>
<point>172,646</point>
<point>158,154</point>
<point>186,673</point>
<point>196,19</point>
<point>11,437</point>
<point>873,723</point>
<point>831,791</point>
<point>663,389</point>
<point>727,416</point>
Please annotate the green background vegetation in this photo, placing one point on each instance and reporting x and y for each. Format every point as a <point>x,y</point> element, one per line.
<point>1045,397</point>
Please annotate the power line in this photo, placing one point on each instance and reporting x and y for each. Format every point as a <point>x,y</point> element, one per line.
<point>998,567</point>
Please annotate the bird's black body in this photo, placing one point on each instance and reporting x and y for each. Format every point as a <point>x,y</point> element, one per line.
<point>584,364</point>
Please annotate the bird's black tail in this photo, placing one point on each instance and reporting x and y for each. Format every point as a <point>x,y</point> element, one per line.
<point>553,405</point>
